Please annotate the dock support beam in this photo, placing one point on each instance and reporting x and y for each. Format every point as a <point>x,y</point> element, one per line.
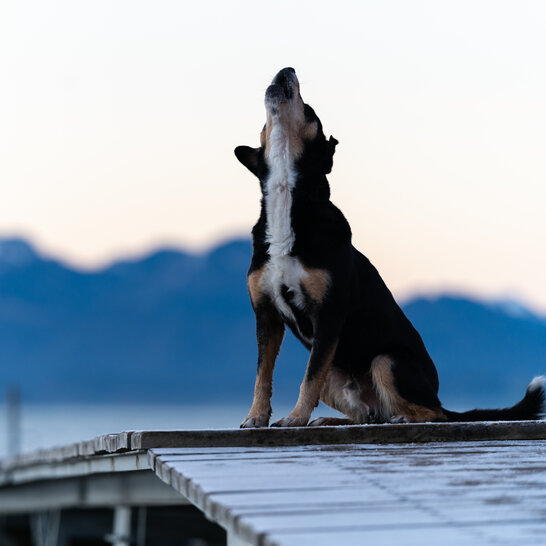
<point>45,528</point>
<point>121,532</point>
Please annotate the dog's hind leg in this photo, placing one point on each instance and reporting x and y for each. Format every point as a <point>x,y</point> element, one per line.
<point>406,396</point>
<point>269,333</point>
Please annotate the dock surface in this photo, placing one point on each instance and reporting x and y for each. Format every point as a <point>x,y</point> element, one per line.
<point>455,483</point>
<point>458,493</point>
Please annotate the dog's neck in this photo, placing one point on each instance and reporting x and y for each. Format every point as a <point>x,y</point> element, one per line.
<point>279,185</point>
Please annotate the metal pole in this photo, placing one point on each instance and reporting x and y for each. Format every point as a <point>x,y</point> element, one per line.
<point>13,401</point>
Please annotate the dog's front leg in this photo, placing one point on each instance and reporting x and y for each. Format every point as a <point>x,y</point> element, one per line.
<point>318,367</point>
<point>269,333</point>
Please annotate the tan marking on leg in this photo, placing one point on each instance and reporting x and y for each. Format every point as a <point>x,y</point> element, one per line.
<point>316,283</point>
<point>392,404</point>
<point>309,394</point>
<point>383,380</point>
<point>260,412</point>
<point>254,284</point>
<point>263,388</point>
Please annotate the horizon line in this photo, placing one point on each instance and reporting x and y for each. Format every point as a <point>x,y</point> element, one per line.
<point>513,304</point>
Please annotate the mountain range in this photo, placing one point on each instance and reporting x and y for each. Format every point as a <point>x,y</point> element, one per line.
<point>175,327</point>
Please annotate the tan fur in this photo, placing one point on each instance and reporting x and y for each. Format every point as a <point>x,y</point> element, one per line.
<point>383,380</point>
<point>392,404</point>
<point>310,131</point>
<point>254,283</point>
<point>263,388</point>
<point>332,390</point>
<point>297,134</point>
<point>341,393</point>
<point>310,391</point>
<point>316,283</point>
<point>420,414</point>
<point>290,115</point>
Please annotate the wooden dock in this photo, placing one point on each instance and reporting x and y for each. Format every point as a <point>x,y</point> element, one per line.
<point>449,483</point>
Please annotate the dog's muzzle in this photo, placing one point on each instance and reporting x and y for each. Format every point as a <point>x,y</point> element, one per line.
<point>282,87</point>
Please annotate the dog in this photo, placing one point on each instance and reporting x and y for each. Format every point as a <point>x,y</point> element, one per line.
<point>366,359</point>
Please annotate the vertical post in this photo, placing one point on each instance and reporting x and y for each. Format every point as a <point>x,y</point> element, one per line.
<point>121,533</point>
<point>44,527</point>
<point>13,413</point>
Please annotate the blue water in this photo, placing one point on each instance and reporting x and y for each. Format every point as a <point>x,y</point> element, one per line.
<point>51,425</point>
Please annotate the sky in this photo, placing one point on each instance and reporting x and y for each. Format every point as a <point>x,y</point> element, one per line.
<point>118,121</point>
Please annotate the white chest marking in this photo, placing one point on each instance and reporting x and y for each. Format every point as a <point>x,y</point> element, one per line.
<point>278,198</point>
<point>282,269</point>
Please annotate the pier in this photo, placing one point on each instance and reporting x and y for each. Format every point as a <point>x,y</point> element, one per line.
<point>415,484</point>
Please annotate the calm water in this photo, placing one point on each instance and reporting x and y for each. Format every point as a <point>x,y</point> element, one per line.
<point>49,425</point>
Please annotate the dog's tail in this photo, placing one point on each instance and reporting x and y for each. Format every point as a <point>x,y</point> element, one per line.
<point>532,406</point>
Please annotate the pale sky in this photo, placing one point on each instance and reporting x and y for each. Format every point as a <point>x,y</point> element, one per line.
<point>118,121</point>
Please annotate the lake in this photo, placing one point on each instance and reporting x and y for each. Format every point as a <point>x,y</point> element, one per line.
<point>50,425</point>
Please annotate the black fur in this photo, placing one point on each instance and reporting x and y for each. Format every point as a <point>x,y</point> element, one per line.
<point>531,407</point>
<point>358,310</point>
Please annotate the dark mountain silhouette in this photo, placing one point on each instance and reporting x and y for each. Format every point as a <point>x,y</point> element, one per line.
<point>178,328</point>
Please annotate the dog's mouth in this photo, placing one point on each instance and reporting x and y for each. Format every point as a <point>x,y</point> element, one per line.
<point>282,88</point>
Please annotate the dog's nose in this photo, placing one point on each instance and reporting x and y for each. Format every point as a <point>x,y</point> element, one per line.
<point>285,78</point>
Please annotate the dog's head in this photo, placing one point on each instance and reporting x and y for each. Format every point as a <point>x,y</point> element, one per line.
<point>292,129</point>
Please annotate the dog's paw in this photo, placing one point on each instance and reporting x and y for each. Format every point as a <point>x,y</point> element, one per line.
<point>291,421</point>
<point>398,419</point>
<point>256,421</point>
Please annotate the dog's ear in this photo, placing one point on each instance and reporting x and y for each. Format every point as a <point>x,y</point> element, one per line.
<point>331,144</point>
<point>248,157</point>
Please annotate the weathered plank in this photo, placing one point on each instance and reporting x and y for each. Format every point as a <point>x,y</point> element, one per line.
<point>305,437</point>
<point>55,470</point>
<point>105,444</point>
<point>359,494</point>
<point>112,443</point>
<point>496,533</point>
<point>358,434</point>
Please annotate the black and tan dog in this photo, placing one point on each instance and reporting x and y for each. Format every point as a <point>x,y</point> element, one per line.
<point>367,360</point>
